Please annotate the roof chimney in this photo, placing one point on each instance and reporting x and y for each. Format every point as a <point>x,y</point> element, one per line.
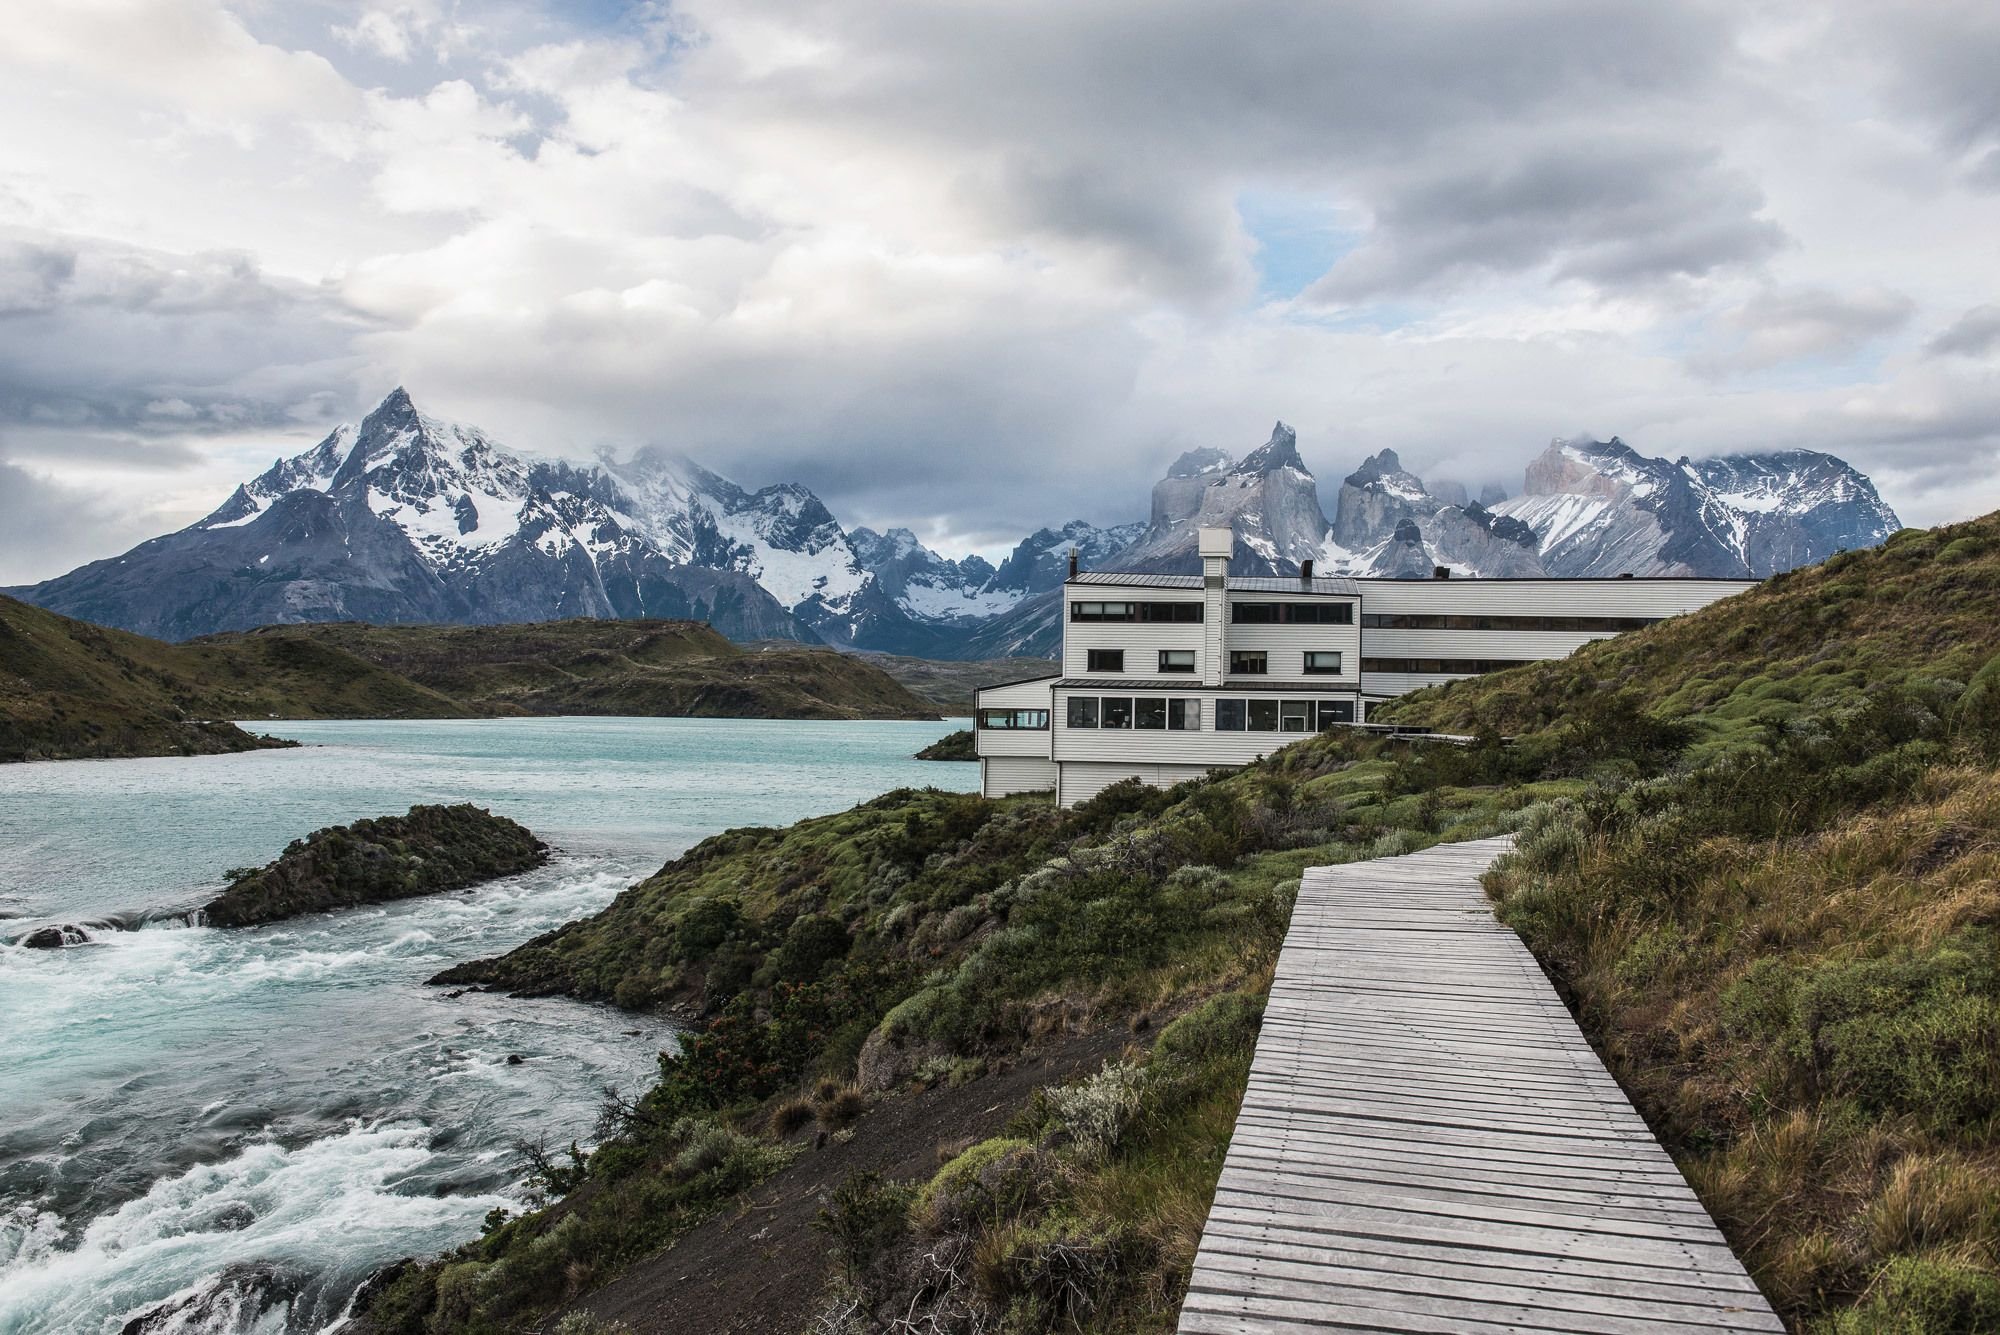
<point>1306,570</point>
<point>1440,572</point>
<point>1072,563</point>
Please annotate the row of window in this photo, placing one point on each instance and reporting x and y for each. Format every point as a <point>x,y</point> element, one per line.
<point>1180,613</point>
<point>1429,621</point>
<point>1463,667</point>
<point>1243,614</point>
<point>1125,711</point>
<point>1007,719</point>
<point>1165,714</point>
<point>1242,662</point>
<point>1292,614</point>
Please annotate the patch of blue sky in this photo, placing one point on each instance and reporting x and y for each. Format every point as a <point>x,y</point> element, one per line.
<point>1298,238</point>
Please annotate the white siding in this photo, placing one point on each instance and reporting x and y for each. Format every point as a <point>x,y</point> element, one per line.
<point>1010,742</point>
<point>1547,597</point>
<point>1003,776</point>
<point>1141,640</point>
<point>1206,748</point>
<point>1285,649</point>
<point>1082,781</point>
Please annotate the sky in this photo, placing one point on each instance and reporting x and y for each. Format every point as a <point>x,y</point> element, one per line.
<point>979,267</point>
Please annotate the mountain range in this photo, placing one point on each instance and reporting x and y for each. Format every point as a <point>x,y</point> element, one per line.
<point>405,518</point>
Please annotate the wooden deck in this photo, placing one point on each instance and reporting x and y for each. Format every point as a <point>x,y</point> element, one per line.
<point>1428,1144</point>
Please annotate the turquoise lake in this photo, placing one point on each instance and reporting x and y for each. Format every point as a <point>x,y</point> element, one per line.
<point>253,1121</point>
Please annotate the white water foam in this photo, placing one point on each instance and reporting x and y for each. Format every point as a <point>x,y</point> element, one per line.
<point>329,1211</point>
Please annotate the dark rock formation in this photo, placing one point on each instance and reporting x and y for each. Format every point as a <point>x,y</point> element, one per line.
<point>432,849</point>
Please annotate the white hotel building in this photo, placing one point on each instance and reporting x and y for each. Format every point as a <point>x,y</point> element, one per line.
<point>1167,677</point>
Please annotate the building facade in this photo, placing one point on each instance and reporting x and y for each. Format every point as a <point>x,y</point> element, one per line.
<point>1167,677</point>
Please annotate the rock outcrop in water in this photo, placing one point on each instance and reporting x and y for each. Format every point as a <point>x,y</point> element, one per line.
<point>430,850</point>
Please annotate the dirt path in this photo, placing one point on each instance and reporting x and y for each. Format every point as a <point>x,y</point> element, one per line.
<point>758,1269</point>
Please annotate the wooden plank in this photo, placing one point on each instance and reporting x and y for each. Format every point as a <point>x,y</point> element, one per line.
<point>1428,1145</point>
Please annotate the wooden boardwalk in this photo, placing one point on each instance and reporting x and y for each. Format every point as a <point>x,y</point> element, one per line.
<point>1428,1144</point>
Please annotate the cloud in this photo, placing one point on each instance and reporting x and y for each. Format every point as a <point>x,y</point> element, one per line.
<point>1973,334</point>
<point>1778,326</point>
<point>979,267</point>
<point>100,335</point>
<point>1605,212</point>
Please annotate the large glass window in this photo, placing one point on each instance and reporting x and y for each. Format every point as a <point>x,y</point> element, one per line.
<point>1150,711</point>
<point>1184,715</point>
<point>1176,660</point>
<point>1295,716</point>
<point>1104,660</point>
<point>1440,667</point>
<point>1335,712</point>
<point>1083,711</point>
<point>1292,614</point>
<point>1117,711</point>
<point>1248,662</point>
<point>1177,613</point>
<point>1000,719</point>
<point>1229,716</point>
<point>1263,716</point>
<point>1323,662</point>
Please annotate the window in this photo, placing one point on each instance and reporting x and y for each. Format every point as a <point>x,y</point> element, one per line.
<point>1439,667</point>
<point>1292,614</point>
<point>1104,660</point>
<point>1295,716</point>
<point>1176,660</point>
<point>1263,715</point>
<point>1248,662</point>
<point>1335,712</point>
<point>1117,711</point>
<point>1229,716</point>
<point>1180,613</point>
<point>1323,662</point>
<point>1184,716</point>
<point>1466,621</point>
<point>1150,711</point>
<point>1013,718</point>
<point>1083,711</point>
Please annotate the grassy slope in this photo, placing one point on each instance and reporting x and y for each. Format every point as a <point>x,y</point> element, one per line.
<point>1759,854</point>
<point>70,690</point>
<point>665,668</point>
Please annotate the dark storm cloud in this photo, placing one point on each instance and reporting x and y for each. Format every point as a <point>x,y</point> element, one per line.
<point>1938,61</point>
<point>101,336</point>
<point>1973,334</point>
<point>1134,125</point>
<point>1608,212</point>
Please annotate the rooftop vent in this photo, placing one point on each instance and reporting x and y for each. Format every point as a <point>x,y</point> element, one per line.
<point>1625,574</point>
<point>1306,570</point>
<point>1440,572</point>
<point>1072,563</point>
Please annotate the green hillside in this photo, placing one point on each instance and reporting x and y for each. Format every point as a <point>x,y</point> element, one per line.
<point>71,690</point>
<point>660,668</point>
<point>1759,853</point>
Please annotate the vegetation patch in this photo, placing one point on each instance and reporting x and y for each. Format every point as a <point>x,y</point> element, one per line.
<point>430,850</point>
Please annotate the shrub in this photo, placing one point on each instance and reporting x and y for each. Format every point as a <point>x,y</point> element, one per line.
<point>842,1108</point>
<point>1926,1295</point>
<point>1222,1027</point>
<point>865,1217</point>
<point>789,1116</point>
<point>1096,1112</point>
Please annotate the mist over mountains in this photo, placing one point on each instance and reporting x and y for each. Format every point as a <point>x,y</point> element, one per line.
<point>404,517</point>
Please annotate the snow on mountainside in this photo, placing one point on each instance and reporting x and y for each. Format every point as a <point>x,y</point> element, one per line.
<point>405,517</point>
<point>1602,508</point>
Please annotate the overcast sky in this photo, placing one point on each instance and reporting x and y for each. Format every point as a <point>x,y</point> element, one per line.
<point>981,266</point>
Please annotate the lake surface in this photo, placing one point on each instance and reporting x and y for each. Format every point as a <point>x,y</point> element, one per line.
<point>262,1117</point>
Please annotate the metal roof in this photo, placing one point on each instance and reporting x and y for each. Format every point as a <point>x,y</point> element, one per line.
<point>1135,580</point>
<point>1338,586</point>
<point>1016,681</point>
